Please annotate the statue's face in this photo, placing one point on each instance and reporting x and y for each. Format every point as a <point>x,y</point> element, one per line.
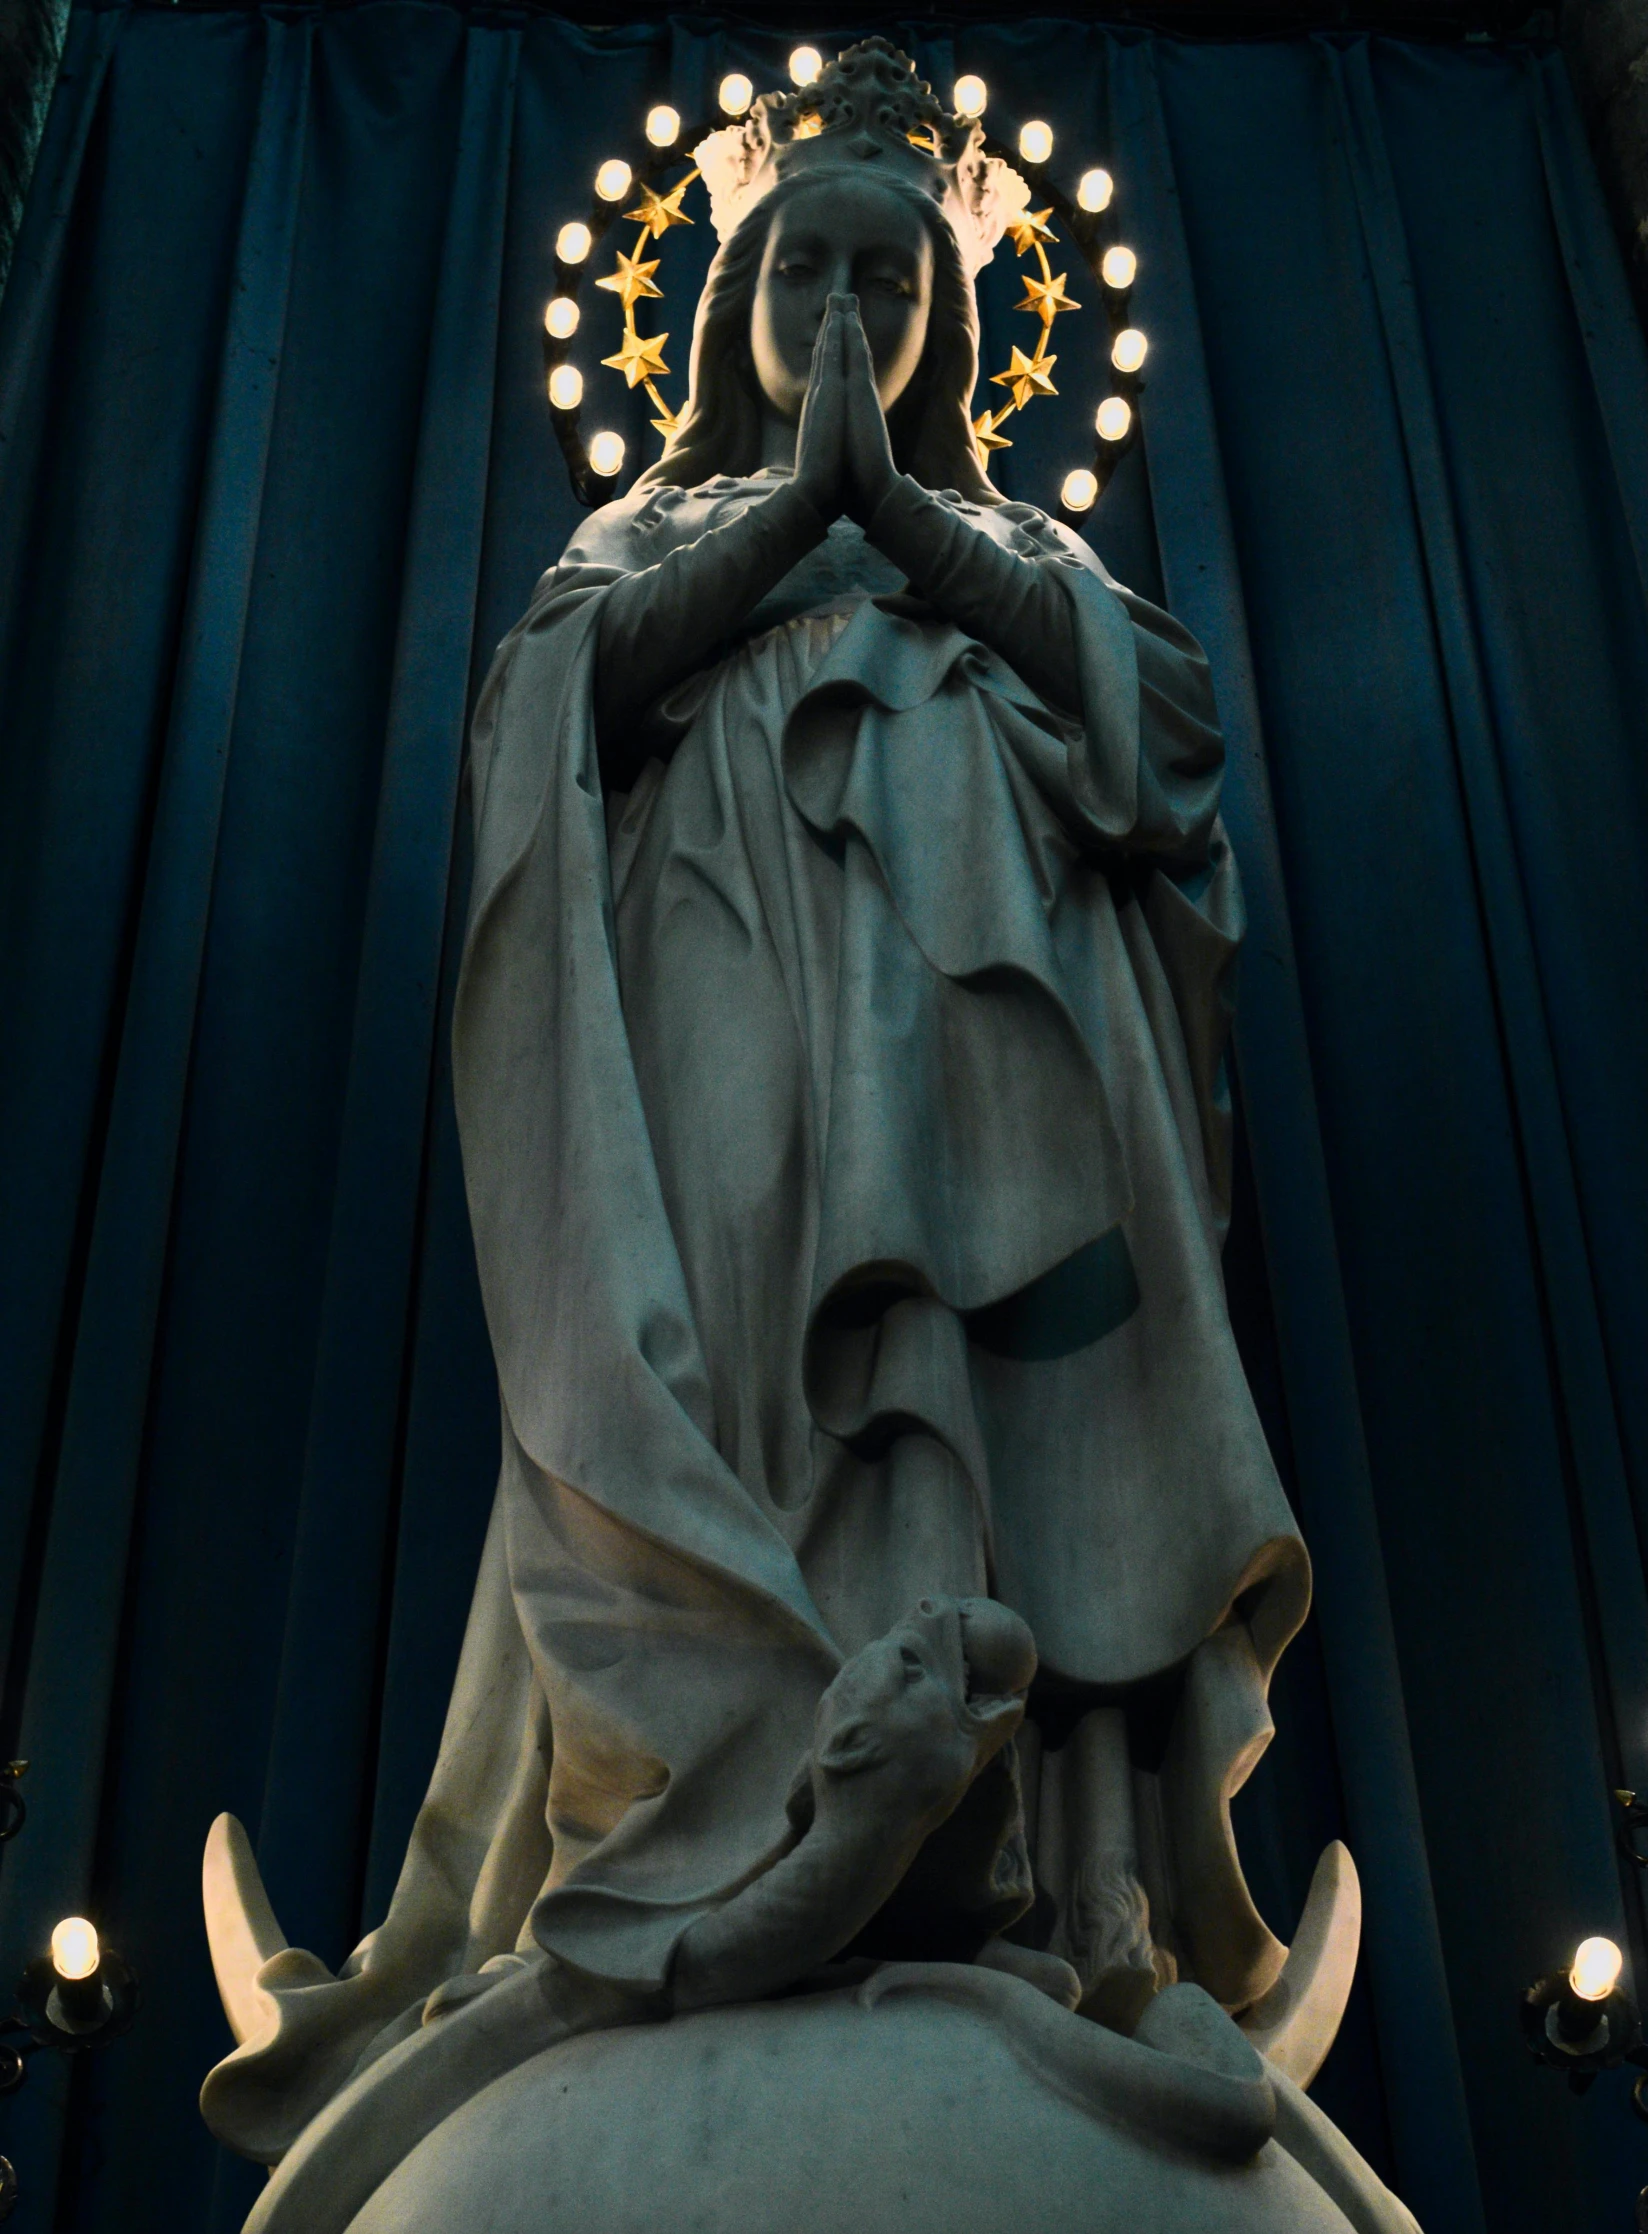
<point>844,236</point>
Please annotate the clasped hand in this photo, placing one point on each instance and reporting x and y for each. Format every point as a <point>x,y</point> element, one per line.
<point>843,457</point>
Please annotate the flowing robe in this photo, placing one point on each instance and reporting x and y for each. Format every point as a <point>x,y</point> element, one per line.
<point>846,1139</point>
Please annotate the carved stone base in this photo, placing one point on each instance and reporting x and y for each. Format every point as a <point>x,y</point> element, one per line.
<point>931,2099</point>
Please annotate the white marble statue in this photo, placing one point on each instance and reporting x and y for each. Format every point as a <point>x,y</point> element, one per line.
<point>831,1829</point>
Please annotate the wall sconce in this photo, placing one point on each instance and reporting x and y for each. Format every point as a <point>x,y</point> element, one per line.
<point>79,1994</point>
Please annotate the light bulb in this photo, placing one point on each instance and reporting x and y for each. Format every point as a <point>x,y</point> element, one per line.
<point>573,243</point>
<point>805,65</point>
<point>970,96</point>
<point>566,387</point>
<point>1081,489</point>
<point>1129,349</point>
<point>736,93</point>
<point>1119,268</point>
<point>613,179</point>
<point>1595,1972</point>
<point>1095,190</point>
<point>1113,418</point>
<point>663,125</point>
<point>1036,142</point>
<point>76,1954</point>
<point>561,317</point>
<point>606,453</point>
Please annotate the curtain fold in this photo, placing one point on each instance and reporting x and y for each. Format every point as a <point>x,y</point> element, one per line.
<point>276,473</point>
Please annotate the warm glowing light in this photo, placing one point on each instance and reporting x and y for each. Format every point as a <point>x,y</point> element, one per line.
<point>614,179</point>
<point>1095,190</point>
<point>1036,142</point>
<point>1595,1974</point>
<point>1129,349</point>
<point>805,65</point>
<point>971,95</point>
<point>561,318</point>
<point>1113,418</point>
<point>573,243</point>
<point>76,1954</point>
<point>1118,268</point>
<point>606,453</point>
<point>566,387</point>
<point>736,93</point>
<point>1080,491</point>
<point>663,125</point>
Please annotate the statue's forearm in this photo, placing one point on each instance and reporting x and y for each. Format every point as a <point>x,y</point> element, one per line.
<point>656,625</point>
<point>1012,604</point>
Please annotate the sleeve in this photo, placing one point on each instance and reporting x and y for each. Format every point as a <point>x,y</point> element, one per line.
<point>657,623</point>
<point>1146,774</point>
<point>1015,605</point>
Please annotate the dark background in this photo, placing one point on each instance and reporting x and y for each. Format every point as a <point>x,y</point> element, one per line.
<point>276,473</point>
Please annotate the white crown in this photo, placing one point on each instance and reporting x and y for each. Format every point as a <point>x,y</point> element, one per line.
<point>868,106</point>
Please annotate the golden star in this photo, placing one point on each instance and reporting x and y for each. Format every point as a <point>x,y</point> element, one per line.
<point>1044,295</point>
<point>1026,377</point>
<point>631,279</point>
<point>658,212</point>
<point>808,126</point>
<point>667,420</point>
<point>985,435</point>
<point>639,357</point>
<point>1029,229</point>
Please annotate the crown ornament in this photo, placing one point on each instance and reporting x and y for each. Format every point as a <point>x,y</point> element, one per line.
<point>865,109</point>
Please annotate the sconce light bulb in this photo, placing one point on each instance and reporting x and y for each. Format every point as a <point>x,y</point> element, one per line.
<point>806,63</point>
<point>561,318</point>
<point>566,387</point>
<point>736,93</point>
<point>1080,491</point>
<point>1113,418</point>
<point>573,243</point>
<point>75,1953</point>
<point>613,179</point>
<point>1119,267</point>
<point>663,125</point>
<point>1095,190</point>
<point>606,454</point>
<point>971,95</point>
<point>1036,142</point>
<point>1129,349</point>
<point>1596,1968</point>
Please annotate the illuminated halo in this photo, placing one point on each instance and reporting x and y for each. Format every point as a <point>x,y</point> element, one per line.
<point>656,181</point>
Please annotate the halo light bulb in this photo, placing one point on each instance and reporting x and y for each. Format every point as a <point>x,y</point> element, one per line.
<point>1080,491</point>
<point>663,125</point>
<point>566,387</point>
<point>573,243</point>
<point>1129,349</point>
<point>971,96</point>
<point>560,318</point>
<point>1094,191</point>
<point>606,453</point>
<point>1596,1968</point>
<point>1119,268</point>
<point>614,179</point>
<point>806,64</point>
<point>75,1952</point>
<point>1036,142</point>
<point>1113,418</point>
<point>736,93</point>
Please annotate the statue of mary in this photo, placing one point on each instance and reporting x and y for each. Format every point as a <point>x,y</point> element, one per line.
<point>839,1063</point>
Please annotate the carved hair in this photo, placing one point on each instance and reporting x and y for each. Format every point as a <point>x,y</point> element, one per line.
<point>930,425</point>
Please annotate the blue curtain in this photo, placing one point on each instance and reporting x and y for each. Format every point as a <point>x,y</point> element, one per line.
<point>276,473</point>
